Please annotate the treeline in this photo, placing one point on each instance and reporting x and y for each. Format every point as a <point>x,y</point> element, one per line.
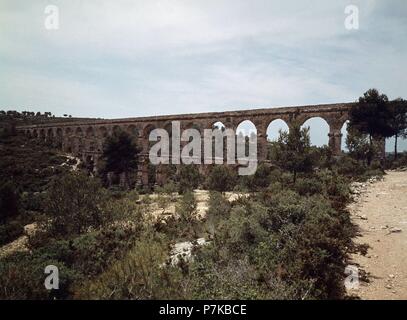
<point>25,114</point>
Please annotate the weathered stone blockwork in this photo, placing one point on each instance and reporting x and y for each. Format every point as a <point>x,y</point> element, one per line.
<point>85,138</point>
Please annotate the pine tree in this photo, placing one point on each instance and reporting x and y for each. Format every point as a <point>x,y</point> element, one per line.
<point>292,151</point>
<point>398,122</point>
<point>120,154</point>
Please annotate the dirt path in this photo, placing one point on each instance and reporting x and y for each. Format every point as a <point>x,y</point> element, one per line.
<point>381,214</point>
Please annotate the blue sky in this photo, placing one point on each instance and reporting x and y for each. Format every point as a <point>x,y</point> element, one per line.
<point>124,58</point>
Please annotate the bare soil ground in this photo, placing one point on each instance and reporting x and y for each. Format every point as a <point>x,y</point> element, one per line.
<point>381,214</point>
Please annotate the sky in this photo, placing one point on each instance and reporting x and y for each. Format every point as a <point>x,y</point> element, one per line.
<point>115,59</point>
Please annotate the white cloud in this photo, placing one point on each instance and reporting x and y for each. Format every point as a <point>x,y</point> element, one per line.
<point>130,58</point>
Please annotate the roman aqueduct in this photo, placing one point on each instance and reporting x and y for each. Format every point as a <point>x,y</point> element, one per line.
<point>84,138</point>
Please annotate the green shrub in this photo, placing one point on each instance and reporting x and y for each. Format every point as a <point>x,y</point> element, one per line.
<point>74,203</point>
<point>22,277</point>
<point>309,186</point>
<point>188,178</point>
<point>277,245</point>
<point>10,231</point>
<point>139,275</point>
<point>9,200</point>
<point>32,201</point>
<point>260,179</point>
<point>335,186</point>
<point>218,209</point>
<point>222,178</point>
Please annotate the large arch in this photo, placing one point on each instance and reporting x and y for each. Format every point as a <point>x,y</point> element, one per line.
<point>90,132</point>
<point>59,137</point>
<point>116,129</point>
<point>42,134</point>
<point>319,131</point>
<point>78,131</point>
<point>133,131</point>
<point>193,125</point>
<point>103,132</point>
<point>247,128</point>
<point>274,128</point>
<point>68,131</point>
<point>344,132</point>
<point>218,125</point>
<point>168,128</point>
<point>147,129</point>
<point>50,133</point>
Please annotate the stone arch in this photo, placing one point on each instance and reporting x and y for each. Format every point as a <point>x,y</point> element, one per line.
<point>147,129</point>
<point>145,137</point>
<point>68,133</point>
<point>103,132</point>
<point>42,134</point>
<point>90,132</point>
<point>59,137</point>
<point>319,130</point>
<point>200,129</point>
<point>218,124</point>
<point>78,131</point>
<point>133,131</point>
<point>246,127</point>
<point>274,127</point>
<point>193,125</point>
<point>116,129</point>
<point>168,127</point>
<point>344,132</point>
<point>35,133</point>
<point>50,133</point>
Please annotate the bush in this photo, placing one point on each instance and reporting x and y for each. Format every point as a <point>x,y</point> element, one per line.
<point>74,204</point>
<point>336,187</point>
<point>32,201</point>
<point>187,211</point>
<point>222,178</point>
<point>260,179</point>
<point>22,277</point>
<point>188,178</point>
<point>278,245</point>
<point>9,200</point>
<point>10,231</point>
<point>139,275</point>
<point>309,186</point>
<point>350,167</point>
<point>77,259</point>
<point>218,209</point>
